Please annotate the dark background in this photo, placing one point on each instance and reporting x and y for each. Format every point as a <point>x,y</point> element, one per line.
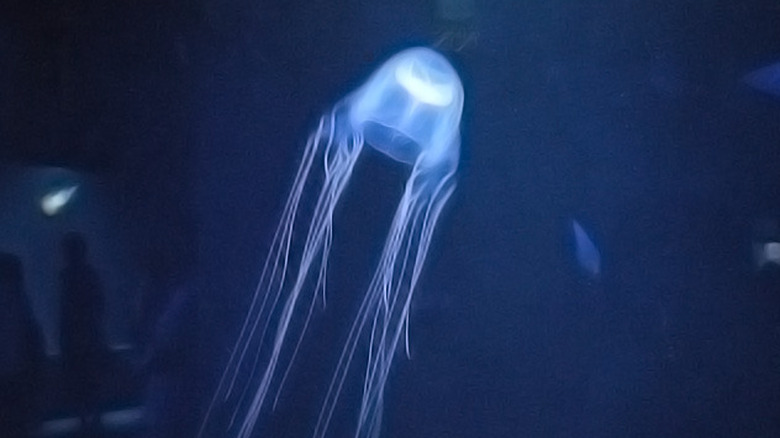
<point>184,121</point>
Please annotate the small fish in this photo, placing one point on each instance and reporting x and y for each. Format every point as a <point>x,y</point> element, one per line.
<point>587,254</point>
<point>765,79</point>
<point>54,201</point>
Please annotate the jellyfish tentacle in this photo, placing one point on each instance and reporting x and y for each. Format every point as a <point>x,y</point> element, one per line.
<point>278,253</point>
<point>340,166</point>
<point>279,249</point>
<point>409,239</point>
<point>410,110</point>
<point>325,252</point>
<point>423,225</point>
<point>281,257</point>
<point>338,157</point>
<point>279,270</point>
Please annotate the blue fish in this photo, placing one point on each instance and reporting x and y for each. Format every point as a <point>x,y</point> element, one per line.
<point>588,256</point>
<point>765,79</point>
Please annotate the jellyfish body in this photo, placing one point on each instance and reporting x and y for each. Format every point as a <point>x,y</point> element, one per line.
<point>410,110</point>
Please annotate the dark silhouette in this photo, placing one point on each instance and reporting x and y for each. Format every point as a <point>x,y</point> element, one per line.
<point>81,330</point>
<point>21,352</point>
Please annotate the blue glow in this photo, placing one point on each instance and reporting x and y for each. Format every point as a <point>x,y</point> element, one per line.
<point>766,79</point>
<point>53,202</point>
<point>588,256</point>
<point>409,109</point>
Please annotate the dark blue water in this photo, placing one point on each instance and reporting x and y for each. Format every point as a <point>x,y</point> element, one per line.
<point>629,117</point>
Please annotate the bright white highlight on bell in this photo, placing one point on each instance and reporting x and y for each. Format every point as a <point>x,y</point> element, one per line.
<point>410,110</point>
<point>53,202</point>
<point>423,88</point>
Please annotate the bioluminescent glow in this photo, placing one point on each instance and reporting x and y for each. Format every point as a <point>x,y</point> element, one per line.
<point>767,254</point>
<point>766,243</point>
<point>765,79</point>
<point>52,202</point>
<point>409,109</point>
<point>588,256</point>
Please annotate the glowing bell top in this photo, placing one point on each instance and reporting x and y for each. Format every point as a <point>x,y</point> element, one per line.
<point>410,106</point>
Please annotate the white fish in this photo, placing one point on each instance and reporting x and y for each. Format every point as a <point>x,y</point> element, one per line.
<point>765,79</point>
<point>53,202</point>
<point>588,256</point>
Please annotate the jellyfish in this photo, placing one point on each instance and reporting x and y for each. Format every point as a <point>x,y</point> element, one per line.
<point>410,110</point>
